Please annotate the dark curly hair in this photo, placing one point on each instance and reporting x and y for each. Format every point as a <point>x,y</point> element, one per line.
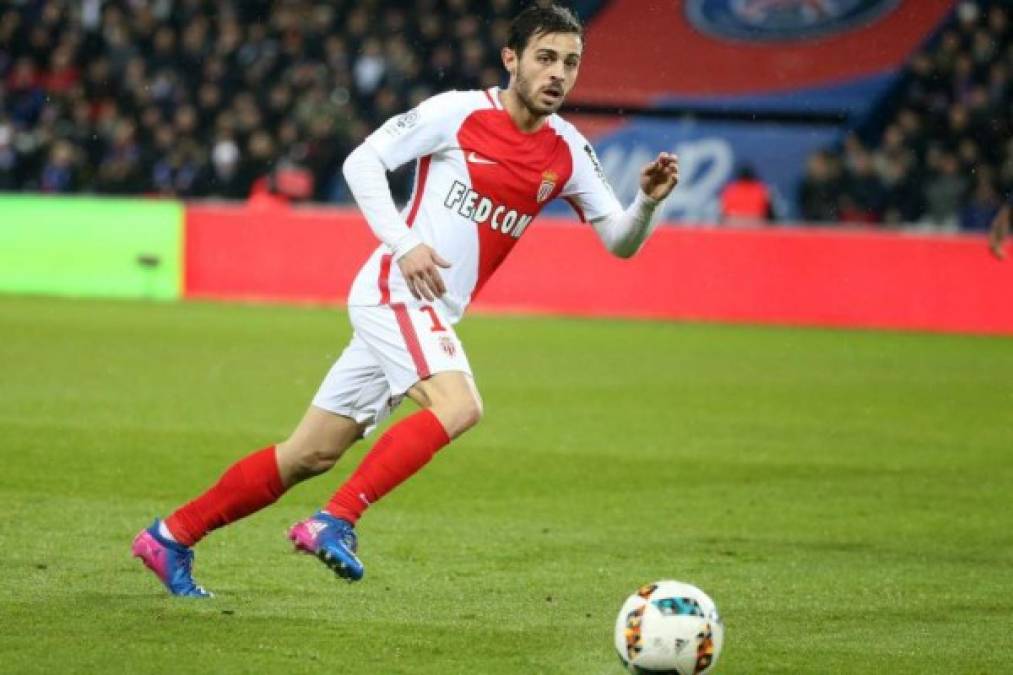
<point>537,20</point>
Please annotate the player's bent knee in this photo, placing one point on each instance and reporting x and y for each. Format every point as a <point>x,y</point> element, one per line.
<point>298,462</point>
<point>319,461</point>
<point>471,413</point>
<point>453,398</point>
<point>458,415</point>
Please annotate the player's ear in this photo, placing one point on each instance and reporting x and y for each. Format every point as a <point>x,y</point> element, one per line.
<point>509,60</point>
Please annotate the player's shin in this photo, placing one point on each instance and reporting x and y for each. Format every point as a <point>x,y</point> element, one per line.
<point>246,487</point>
<point>404,449</point>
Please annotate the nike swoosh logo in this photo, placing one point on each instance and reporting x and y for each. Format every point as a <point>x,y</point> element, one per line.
<point>478,159</point>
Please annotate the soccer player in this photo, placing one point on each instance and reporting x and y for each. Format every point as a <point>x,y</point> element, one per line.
<point>486,163</point>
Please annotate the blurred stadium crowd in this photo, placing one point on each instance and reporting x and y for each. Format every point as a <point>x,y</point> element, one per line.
<point>944,157</point>
<point>194,98</point>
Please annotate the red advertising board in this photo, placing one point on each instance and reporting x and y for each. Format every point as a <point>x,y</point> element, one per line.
<point>814,277</point>
<point>271,253</point>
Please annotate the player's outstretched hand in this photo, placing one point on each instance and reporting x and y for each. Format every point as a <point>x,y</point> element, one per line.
<point>659,177</point>
<point>999,232</point>
<point>420,268</point>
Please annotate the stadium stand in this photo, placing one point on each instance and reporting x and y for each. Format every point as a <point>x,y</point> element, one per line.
<point>942,153</point>
<point>194,98</point>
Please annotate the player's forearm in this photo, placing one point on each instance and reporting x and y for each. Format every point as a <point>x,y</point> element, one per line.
<point>625,232</point>
<point>367,179</point>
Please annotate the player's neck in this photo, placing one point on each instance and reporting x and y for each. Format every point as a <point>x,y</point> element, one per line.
<point>525,120</point>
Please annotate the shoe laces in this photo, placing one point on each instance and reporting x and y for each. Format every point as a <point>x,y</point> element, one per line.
<point>186,563</point>
<point>346,535</point>
<point>350,540</point>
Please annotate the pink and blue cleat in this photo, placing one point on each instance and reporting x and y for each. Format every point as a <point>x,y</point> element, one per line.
<point>330,539</point>
<point>171,562</point>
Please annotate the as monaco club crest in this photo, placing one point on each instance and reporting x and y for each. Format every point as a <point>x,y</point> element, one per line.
<point>549,179</point>
<point>448,346</point>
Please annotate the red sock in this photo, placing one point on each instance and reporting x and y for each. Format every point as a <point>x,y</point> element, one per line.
<point>404,449</point>
<point>247,486</point>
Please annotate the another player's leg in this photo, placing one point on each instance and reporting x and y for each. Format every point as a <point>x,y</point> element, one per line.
<point>450,406</point>
<point>247,486</point>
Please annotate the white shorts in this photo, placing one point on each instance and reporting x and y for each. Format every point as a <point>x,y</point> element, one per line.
<point>392,348</point>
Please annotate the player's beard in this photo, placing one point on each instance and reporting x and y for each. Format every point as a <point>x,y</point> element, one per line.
<point>527,94</point>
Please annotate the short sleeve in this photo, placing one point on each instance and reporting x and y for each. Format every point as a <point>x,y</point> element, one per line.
<point>588,190</point>
<point>421,131</point>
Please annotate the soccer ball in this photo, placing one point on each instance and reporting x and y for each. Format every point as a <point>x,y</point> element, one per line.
<point>669,627</point>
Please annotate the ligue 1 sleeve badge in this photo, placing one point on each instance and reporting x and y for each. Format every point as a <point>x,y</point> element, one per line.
<point>547,185</point>
<point>778,20</point>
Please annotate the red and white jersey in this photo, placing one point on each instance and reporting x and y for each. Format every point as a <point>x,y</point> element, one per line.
<point>479,182</point>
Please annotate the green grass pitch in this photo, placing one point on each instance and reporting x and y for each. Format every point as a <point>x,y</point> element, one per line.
<point>846,497</point>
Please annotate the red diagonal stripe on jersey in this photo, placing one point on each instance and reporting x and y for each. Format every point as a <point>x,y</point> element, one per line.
<point>523,163</point>
<point>411,338</point>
